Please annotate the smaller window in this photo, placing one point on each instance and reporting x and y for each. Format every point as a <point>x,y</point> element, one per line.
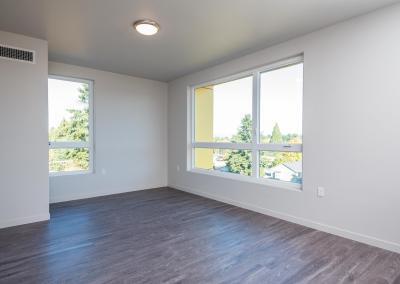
<point>70,125</point>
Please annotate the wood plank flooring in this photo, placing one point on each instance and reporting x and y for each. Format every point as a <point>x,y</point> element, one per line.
<point>168,236</point>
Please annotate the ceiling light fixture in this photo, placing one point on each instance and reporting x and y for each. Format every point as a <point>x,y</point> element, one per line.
<point>146,27</point>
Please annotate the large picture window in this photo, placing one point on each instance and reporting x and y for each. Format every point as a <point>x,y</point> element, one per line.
<point>249,126</point>
<point>70,125</point>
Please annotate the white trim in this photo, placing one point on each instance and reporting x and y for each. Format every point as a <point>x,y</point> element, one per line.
<point>70,173</point>
<point>296,59</point>
<point>282,63</point>
<point>78,144</point>
<point>248,146</point>
<point>280,147</point>
<point>218,145</point>
<point>71,79</point>
<point>24,220</point>
<point>362,238</point>
<point>263,181</point>
<point>255,153</point>
<point>190,130</point>
<point>65,145</point>
<point>226,79</point>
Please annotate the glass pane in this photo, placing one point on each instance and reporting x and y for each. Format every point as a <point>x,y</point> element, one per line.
<point>68,111</point>
<point>223,112</point>
<point>284,166</point>
<point>281,104</point>
<point>67,160</point>
<point>223,160</point>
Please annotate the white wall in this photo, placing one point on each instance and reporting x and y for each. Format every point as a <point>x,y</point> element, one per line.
<point>24,185</point>
<point>351,132</point>
<point>130,122</point>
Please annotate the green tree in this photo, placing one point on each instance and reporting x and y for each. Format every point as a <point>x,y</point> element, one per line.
<point>74,128</point>
<point>272,159</point>
<point>276,137</point>
<point>239,161</point>
<point>244,131</point>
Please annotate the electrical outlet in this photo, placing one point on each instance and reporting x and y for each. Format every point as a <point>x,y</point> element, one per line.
<point>103,171</point>
<point>320,191</point>
<point>178,168</point>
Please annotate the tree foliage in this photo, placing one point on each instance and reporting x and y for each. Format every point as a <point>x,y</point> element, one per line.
<point>239,161</point>
<point>276,137</point>
<point>244,131</point>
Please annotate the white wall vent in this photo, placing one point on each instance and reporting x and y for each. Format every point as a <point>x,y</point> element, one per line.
<point>17,54</point>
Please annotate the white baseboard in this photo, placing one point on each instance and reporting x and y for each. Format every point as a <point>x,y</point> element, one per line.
<point>69,197</point>
<point>388,245</point>
<point>24,220</point>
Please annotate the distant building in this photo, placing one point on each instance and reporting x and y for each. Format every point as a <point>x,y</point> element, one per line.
<point>290,171</point>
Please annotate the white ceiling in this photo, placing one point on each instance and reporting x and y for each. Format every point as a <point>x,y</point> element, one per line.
<point>195,34</point>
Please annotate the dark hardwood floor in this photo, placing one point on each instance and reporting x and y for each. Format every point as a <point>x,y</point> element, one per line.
<point>167,236</point>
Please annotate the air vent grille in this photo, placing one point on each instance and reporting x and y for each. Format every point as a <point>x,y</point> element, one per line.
<point>18,54</point>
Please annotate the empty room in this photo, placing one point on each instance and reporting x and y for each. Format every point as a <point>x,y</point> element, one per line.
<point>213,141</point>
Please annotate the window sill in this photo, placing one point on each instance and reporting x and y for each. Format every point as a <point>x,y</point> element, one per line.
<point>266,182</point>
<point>71,173</point>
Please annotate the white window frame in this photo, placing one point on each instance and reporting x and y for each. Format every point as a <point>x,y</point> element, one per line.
<point>255,147</point>
<point>78,144</point>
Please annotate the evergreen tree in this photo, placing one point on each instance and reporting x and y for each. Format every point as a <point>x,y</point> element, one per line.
<point>276,137</point>
<point>239,161</point>
<point>244,131</point>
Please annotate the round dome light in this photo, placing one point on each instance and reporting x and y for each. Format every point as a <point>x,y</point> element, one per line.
<point>146,27</point>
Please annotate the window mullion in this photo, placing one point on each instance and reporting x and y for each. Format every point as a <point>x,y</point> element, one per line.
<point>191,131</point>
<point>256,124</point>
<point>67,145</point>
<point>280,147</point>
<point>222,145</point>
